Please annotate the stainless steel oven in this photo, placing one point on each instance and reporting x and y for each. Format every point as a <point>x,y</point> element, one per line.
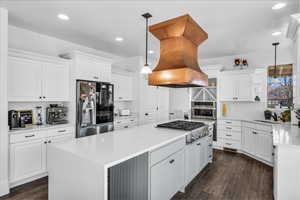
<point>204,110</point>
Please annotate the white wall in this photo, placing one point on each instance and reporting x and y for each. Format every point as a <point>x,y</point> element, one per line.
<point>4,189</point>
<point>19,38</point>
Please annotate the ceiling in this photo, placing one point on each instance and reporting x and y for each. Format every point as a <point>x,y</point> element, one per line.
<point>233,27</point>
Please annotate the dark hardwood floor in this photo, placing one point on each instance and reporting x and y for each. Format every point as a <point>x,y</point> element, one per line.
<point>230,177</point>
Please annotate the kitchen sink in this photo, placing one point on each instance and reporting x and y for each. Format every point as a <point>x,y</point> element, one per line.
<point>267,121</point>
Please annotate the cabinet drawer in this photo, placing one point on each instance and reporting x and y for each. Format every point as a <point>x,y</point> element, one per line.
<point>230,128</point>
<point>231,135</point>
<point>60,131</point>
<point>229,122</point>
<point>260,127</point>
<point>23,137</point>
<point>165,151</point>
<point>232,144</point>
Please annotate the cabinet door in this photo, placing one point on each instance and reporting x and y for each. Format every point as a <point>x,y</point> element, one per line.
<point>27,159</point>
<point>192,162</point>
<point>161,188</point>
<point>162,98</point>
<point>264,146</point>
<point>167,177</point>
<point>24,80</point>
<point>249,140</point>
<point>105,71</point>
<point>93,69</point>
<point>177,172</point>
<point>147,102</point>
<point>227,88</point>
<point>244,86</point>
<point>55,82</point>
<point>201,154</point>
<point>122,87</point>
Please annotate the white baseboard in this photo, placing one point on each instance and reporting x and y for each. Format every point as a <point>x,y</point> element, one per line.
<point>4,188</point>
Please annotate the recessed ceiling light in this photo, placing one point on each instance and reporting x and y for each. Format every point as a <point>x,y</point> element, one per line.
<point>151,52</point>
<point>276,33</point>
<point>119,39</point>
<point>279,6</point>
<point>63,17</point>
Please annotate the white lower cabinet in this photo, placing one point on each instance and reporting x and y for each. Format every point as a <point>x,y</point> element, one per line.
<point>28,153</point>
<point>197,157</point>
<point>258,143</point>
<point>27,159</point>
<point>167,177</point>
<point>264,146</point>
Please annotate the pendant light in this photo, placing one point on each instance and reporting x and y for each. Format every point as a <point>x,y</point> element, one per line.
<point>146,69</point>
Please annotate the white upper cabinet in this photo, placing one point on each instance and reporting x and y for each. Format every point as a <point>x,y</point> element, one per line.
<point>34,79</point>
<point>55,82</point>
<point>236,86</point>
<point>24,80</point>
<point>90,67</point>
<point>123,87</point>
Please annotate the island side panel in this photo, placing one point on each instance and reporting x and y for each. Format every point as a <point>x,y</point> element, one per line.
<point>73,177</point>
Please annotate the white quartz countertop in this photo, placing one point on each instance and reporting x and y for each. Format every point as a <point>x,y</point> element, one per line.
<point>286,134</point>
<point>115,147</point>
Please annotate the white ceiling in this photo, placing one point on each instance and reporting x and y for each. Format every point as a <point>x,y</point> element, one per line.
<point>233,27</point>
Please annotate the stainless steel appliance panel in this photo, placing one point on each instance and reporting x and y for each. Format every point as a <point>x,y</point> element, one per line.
<point>95,108</point>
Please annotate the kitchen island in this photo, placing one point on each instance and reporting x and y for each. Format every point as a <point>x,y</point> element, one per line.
<point>80,169</point>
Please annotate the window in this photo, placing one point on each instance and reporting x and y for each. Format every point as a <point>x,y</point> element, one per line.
<point>280,86</point>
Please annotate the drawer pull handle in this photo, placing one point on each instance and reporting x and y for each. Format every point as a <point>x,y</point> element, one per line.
<point>29,136</point>
<point>254,132</point>
<point>45,142</point>
<point>228,135</point>
<point>125,126</point>
<point>49,141</point>
<point>228,122</point>
<point>61,131</point>
<point>228,128</point>
<point>171,161</point>
<point>96,77</point>
<point>198,144</point>
<point>132,120</point>
<point>228,144</point>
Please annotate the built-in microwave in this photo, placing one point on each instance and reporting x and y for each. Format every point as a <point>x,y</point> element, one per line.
<point>204,110</point>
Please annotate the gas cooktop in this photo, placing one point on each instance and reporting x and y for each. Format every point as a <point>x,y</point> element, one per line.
<point>182,125</point>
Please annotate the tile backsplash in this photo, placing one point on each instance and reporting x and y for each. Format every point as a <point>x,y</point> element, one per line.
<point>32,106</point>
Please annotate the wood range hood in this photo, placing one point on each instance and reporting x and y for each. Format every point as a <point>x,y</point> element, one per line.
<point>178,62</point>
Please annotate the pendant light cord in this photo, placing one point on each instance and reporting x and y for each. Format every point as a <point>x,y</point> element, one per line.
<point>146,42</point>
<point>275,57</point>
<point>147,16</point>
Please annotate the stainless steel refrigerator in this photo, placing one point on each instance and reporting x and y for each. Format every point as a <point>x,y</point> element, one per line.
<point>95,108</point>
